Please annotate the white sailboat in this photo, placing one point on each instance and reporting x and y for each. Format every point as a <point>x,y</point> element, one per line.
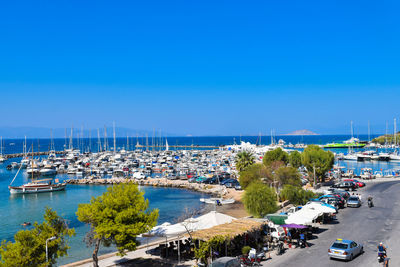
<point>36,186</point>
<point>2,158</point>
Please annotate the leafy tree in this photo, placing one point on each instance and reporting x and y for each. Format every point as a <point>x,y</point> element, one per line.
<point>215,244</point>
<point>117,217</point>
<point>296,195</point>
<point>275,155</point>
<point>314,156</point>
<point>287,175</point>
<point>29,248</point>
<point>260,199</point>
<point>243,160</point>
<point>255,172</point>
<point>295,159</point>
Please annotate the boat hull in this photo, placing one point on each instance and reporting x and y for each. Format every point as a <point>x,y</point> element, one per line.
<point>36,189</point>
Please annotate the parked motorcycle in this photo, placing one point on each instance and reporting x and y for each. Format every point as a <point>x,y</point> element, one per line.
<point>302,243</point>
<point>370,203</point>
<point>280,250</point>
<point>381,256</point>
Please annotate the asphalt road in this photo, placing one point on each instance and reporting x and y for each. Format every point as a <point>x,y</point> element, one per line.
<point>368,226</point>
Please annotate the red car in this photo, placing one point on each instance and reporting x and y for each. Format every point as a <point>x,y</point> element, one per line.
<point>358,183</point>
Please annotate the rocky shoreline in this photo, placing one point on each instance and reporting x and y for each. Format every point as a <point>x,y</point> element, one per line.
<point>217,190</point>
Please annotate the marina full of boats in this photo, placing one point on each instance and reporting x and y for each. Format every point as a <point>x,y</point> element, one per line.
<point>151,162</point>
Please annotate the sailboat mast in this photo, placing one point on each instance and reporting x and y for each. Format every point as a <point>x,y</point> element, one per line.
<point>394,132</point>
<point>70,139</point>
<point>32,161</point>
<point>127,142</point>
<point>115,142</point>
<point>90,140</point>
<point>351,129</point>
<point>105,138</point>
<point>98,140</point>
<point>369,132</point>
<point>25,152</point>
<point>147,141</point>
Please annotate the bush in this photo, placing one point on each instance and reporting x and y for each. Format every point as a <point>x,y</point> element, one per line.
<point>296,195</point>
<point>216,244</point>
<point>260,199</point>
<point>246,250</point>
<point>253,173</point>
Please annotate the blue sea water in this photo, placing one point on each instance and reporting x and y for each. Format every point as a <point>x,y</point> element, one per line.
<point>86,144</point>
<point>14,210</point>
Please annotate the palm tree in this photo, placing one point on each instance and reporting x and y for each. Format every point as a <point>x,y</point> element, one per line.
<point>243,160</point>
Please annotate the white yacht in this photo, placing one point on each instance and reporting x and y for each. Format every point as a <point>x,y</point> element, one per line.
<point>48,170</point>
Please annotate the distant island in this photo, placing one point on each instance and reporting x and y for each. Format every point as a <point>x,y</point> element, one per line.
<point>302,132</point>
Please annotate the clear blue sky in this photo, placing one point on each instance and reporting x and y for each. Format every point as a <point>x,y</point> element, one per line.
<point>200,67</point>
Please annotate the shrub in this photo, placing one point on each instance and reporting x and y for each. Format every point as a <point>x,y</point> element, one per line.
<point>296,195</point>
<point>253,173</point>
<point>260,199</point>
<point>246,250</point>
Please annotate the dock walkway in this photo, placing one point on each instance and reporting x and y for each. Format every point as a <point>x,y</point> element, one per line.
<point>41,153</point>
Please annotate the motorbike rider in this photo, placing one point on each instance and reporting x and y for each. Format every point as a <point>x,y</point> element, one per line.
<point>381,248</point>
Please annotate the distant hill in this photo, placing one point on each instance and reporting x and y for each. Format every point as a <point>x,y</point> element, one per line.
<point>302,132</point>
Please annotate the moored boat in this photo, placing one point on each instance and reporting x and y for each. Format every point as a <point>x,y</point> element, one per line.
<point>217,201</point>
<point>38,186</point>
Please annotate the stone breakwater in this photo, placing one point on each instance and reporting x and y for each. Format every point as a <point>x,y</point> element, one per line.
<point>219,190</point>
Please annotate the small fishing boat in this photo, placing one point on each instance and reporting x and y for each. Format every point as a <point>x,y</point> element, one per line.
<point>37,186</point>
<point>218,201</point>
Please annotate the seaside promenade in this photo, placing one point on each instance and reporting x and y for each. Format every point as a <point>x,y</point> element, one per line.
<point>368,226</point>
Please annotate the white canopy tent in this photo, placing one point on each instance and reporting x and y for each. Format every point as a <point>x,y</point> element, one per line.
<point>205,221</point>
<point>209,220</point>
<point>305,216</point>
<point>321,207</point>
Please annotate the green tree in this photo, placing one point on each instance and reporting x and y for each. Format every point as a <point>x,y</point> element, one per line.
<point>243,160</point>
<point>314,156</point>
<point>287,175</point>
<point>255,172</point>
<point>295,159</point>
<point>296,195</point>
<point>260,199</point>
<point>117,217</point>
<point>275,155</point>
<point>29,248</point>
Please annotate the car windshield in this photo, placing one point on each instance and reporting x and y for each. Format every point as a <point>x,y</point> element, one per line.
<point>340,245</point>
<point>353,198</point>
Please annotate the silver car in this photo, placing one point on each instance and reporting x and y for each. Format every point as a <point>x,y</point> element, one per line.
<point>345,249</point>
<point>354,202</point>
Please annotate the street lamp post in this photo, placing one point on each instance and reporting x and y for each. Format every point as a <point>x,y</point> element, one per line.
<point>47,253</point>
